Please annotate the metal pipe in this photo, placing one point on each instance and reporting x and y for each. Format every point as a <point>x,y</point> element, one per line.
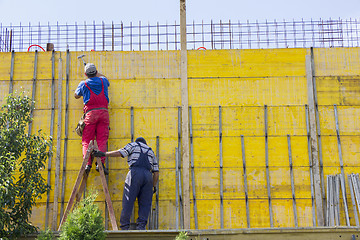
<point>336,200</point>
<point>132,219</point>
<point>58,148</point>
<point>176,189</point>
<point>11,84</point>
<point>356,190</point>
<point>221,171</point>
<point>33,91</point>
<point>352,194</point>
<point>342,176</point>
<point>331,195</point>
<point>245,181</point>
<point>51,135</point>
<point>292,181</point>
<point>156,222</point>
<point>180,193</point>
<point>132,123</point>
<point>267,166</point>
<point>327,223</point>
<point>310,165</point>
<point>66,132</point>
<point>192,167</point>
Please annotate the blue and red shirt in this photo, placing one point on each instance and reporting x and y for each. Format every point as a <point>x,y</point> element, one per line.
<point>95,85</point>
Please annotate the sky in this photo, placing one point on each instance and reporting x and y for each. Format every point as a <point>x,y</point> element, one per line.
<point>162,11</point>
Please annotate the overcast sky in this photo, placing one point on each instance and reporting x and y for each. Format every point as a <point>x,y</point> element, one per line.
<point>152,11</point>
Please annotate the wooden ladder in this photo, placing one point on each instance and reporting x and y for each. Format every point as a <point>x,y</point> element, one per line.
<point>82,177</point>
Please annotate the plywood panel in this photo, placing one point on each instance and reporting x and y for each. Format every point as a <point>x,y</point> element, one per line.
<point>250,63</point>
<point>337,61</point>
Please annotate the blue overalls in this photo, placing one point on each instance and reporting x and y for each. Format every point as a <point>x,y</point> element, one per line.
<point>138,184</point>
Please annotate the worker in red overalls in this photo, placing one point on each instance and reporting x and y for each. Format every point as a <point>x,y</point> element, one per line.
<point>94,91</point>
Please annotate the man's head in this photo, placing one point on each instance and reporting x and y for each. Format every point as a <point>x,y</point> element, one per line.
<point>141,139</point>
<point>90,70</point>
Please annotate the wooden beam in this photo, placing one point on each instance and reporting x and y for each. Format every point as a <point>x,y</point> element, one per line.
<point>106,192</point>
<point>313,141</point>
<point>184,116</point>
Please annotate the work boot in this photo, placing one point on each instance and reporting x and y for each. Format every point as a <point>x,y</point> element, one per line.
<point>105,170</point>
<point>87,169</point>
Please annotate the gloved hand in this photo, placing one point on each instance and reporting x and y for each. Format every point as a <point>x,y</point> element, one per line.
<point>97,153</point>
<point>154,190</point>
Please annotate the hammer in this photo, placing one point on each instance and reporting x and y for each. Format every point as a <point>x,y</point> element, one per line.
<point>81,56</point>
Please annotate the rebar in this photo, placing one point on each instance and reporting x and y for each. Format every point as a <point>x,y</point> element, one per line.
<point>212,35</point>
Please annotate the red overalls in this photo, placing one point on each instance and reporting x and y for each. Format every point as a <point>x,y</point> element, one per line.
<point>96,122</point>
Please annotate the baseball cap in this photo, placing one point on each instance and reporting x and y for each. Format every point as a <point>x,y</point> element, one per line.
<point>90,68</point>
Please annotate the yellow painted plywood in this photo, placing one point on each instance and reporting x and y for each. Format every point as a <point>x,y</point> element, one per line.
<point>232,152</point>
<point>283,213</point>
<point>286,120</point>
<point>235,214</point>
<point>259,213</point>
<point>257,184</point>
<point>207,183</point>
<point>205,122</point>
<point>250,63</point>
<point>24,66</point>
<point>350,146</point>
<point>4,90</point>
<point>304,212</point>
<point>210,214</point>
<point>299,149</point>
<point>120,123</point>
<point>340,90</point>
<point>44,66</point>
<point>330,153</point>
<point>162,122</point>
<point>280,182</point>
<point>302,182</point>
<point>144,92</point>
<point>255,151</point>
<point>129,64</point>
<point>248,91</point>
<point>327,120</point>
<point>348,120</point>
<point>5,59</point>
<point>247,121</point>
<point>233,183</point>
<point>206,152</point>
<point>336,61</point>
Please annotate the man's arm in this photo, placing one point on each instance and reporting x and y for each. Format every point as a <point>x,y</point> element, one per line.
<point>113,154</point>
<point>100,75</point>
<point>155,178</point>
<point>76,96</point>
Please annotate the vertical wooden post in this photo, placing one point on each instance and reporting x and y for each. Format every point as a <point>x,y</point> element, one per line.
<point>313,141</point>
<point>184,116</point>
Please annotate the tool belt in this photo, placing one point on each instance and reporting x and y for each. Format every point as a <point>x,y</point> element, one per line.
<point>81,124</point>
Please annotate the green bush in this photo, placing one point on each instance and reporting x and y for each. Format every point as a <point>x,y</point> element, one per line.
<point>85,222</point>
<point>22,159</point>
<point>46,235</point>
<point>181,236</point>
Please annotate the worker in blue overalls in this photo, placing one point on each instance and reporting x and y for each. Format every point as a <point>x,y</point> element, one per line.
<point>140,181</point>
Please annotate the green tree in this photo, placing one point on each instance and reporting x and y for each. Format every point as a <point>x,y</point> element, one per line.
<point>85,222</point>
<point>22,157</point>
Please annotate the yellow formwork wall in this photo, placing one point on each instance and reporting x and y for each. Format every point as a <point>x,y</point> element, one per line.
<point>242,82</point>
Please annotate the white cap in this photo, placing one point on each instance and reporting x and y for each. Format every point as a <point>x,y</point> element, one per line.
<point>90,69</point>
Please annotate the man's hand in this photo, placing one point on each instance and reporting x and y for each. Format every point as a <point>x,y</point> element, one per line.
<point>154,190</point>
<point>97,153</point>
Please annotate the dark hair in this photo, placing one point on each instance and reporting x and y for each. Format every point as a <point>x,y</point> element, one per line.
<point>91,75</point>
<point>141,139</point>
